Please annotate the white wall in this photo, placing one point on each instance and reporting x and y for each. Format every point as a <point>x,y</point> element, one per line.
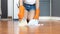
<point>0,7</point>
<point>10,8</point>
<point>15,9</point>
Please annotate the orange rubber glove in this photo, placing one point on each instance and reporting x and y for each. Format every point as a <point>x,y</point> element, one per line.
<point>37,14</point>
<point>21,12</point>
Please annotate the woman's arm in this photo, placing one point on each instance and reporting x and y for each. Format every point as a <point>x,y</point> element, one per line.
<point>21,10</point>
<point>21,3</point>
<point>37,4</point>
<point>37,12</point>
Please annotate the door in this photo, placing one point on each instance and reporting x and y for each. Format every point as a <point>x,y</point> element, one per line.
<point>45,7</point>
<point>4,8</point>
<point>56,8</point>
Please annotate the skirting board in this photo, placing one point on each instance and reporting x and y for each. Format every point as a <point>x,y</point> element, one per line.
<point>40,18</point>
<point>48,18</point>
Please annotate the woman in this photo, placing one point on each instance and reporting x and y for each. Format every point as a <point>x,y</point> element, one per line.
<point>29,10</point>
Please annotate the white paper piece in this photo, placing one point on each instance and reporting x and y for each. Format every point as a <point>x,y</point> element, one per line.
<point>23,22</point>
<point>33,22</point>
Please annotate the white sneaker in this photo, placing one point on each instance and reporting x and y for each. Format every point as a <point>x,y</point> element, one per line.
<point>33,22</point>
<point>23,22</point>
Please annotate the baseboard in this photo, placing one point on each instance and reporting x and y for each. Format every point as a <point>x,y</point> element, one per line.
<point>15,19</point>
<point>9,17</point>
<point>48,18</point>
<point>55,18</point>
<point>42,18</point>
<point>6,19</point>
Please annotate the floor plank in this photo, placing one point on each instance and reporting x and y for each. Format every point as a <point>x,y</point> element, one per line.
<point>11,27</point>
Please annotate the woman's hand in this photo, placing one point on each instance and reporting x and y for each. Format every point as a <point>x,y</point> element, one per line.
<point>37,14</point>
<point>21,12</point>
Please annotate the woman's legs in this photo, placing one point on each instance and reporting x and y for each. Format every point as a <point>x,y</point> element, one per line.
<point>31,19</point>
<point>31,14</point>
<point>25,14</point>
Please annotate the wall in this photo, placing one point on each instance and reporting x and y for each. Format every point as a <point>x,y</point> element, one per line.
<point>10,8</point>
<point>0,7</point>
<point>44,7</point>
<point>15,9</point>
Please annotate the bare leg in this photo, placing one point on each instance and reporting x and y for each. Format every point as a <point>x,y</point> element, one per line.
<point>25,14</point>
<point>31,14</point>
<point>32,21</point>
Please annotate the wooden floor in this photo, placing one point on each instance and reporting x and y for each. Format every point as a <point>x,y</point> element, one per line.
<point>48,27</point>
